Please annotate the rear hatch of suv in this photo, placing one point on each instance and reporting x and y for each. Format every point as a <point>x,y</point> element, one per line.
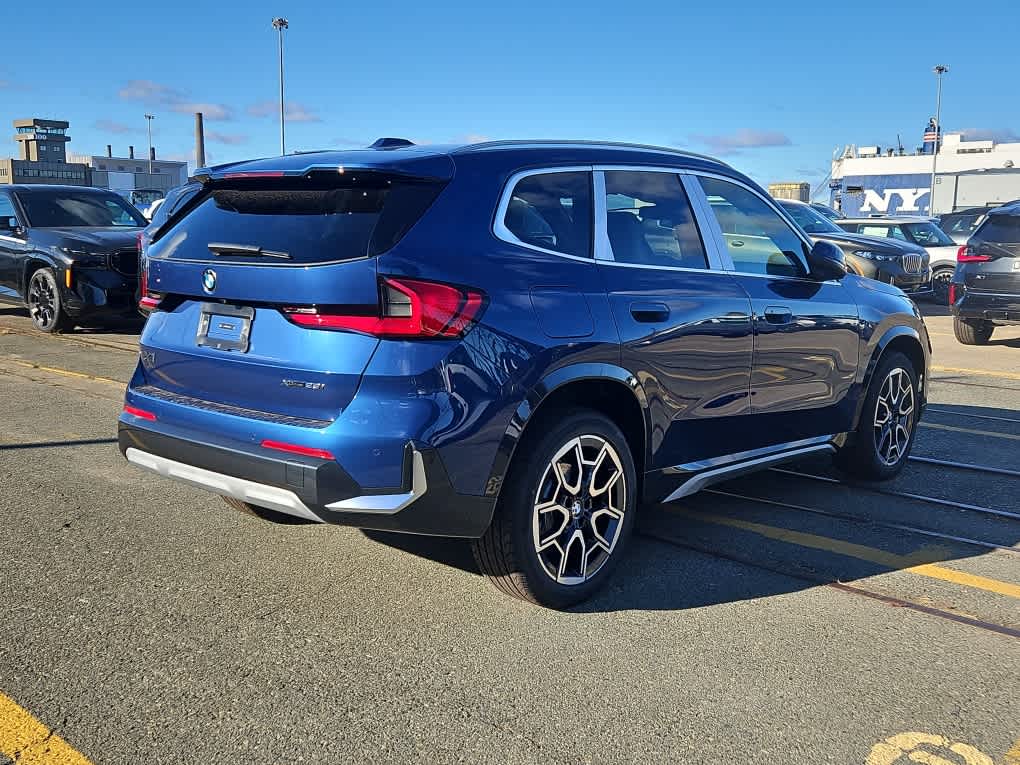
<point>243,272</point>
<point>992,255</point>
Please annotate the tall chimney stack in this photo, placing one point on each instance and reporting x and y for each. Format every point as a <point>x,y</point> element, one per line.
<point>109,150</point>
<point>199,141</point>
<point>131,152</point>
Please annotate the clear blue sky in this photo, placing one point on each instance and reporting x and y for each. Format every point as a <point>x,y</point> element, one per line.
<point>774,87</point>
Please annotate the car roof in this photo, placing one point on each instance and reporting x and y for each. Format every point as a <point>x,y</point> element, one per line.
<point>890,219</point>
<point>399,155</point>
<point>53,187</point>
<point>1010,208</point>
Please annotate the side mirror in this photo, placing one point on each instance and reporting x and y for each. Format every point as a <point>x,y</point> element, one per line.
<point>826,261</point>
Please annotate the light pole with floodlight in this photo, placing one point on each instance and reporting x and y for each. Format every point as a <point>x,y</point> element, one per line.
<point>148,125</point>
<point>279,24</point>
<point>939,70</point>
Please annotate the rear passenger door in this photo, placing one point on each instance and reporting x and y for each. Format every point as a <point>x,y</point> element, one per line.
<point>685,327</point>
<point>806,331</point>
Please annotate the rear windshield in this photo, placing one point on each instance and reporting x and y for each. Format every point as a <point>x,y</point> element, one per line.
<point>1003,229</point>
<point>300,220</point>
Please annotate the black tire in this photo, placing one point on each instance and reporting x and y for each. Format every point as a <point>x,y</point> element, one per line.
<point>45,307</point>
<point>972,331</point>
<point>508,552</point>
<point>264,513</point>
<point>867,453</point>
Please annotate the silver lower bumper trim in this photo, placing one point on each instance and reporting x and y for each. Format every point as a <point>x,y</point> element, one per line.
<point>724,473</point>
<point>387,504</point>
<point>274,498</point>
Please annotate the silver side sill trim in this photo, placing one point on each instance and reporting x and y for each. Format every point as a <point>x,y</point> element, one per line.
<point>274,498</point>
<point>709,477</point>
<point>387,504</point>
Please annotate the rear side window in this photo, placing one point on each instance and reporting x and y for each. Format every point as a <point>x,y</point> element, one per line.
<point>650,222</point>
<point>297,220</point>
<point>552,211</point>
<point>1001,229</point>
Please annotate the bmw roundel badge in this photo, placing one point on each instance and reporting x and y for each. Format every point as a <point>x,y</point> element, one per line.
<point>208,280</point>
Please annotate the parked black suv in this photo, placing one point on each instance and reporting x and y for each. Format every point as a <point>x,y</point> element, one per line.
<point>70,253</point>
<point>985,291</point>
<point>901,264</point>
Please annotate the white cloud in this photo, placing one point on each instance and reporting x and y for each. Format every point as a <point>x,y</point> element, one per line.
<point>158,94</point>
<point>746,138</point>
<point>292,111</point>
<point>231,139</point>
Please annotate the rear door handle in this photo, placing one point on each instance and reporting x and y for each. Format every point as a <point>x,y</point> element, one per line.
<point>778,314</point>
<point>649,312</point>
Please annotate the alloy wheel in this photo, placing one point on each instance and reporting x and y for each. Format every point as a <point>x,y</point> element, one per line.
<point>894,416</point>
<point>42,301</point>
<point>578,509</point>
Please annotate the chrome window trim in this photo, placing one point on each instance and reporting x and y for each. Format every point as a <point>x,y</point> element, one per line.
<point>713,222</point>
<point>603,248</point>
<point>501,232</point>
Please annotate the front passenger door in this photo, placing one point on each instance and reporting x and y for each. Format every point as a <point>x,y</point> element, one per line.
<point>806,332</point>
<point>685,327</point>
<point>12,249</point>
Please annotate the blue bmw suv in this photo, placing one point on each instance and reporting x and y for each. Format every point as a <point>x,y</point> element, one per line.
<point>513,342</point>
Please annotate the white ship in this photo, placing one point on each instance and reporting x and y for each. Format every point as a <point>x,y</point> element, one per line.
<point>868,180</point>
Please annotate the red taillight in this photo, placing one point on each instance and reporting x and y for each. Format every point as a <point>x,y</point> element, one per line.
<point>952,293</point>
<point>140,413</point>
<point>411,308</point>
<point>146,301</point>
<point>966,254</point>
<point>304,451</point>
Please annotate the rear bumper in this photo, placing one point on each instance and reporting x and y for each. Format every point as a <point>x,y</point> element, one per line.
<point>315,489</point>
<point>987,306</point>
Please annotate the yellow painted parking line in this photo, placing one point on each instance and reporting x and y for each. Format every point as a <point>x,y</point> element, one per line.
<point>865,553</point>
<point>25,740</point>
<point>981,372</point>
<point>972,431</point>
<point>1013,755</point>
<point>65,372</point>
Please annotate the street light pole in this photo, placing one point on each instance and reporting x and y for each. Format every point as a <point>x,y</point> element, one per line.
<point>279,24</point>
<point>148,124</point>
<point>939,70</point>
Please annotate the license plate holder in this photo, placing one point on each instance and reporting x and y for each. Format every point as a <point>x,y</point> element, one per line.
<point>224,327</point>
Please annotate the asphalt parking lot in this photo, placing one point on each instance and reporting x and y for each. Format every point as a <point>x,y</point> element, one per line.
<point>786,617</point>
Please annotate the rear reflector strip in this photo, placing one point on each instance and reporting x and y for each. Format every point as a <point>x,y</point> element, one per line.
<point>304,451</point>
<point>134,411</point>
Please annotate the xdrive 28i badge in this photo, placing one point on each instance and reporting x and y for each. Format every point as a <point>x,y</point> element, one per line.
<point>208,280</point>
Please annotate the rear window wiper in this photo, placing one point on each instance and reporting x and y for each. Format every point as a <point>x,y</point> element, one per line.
<point>249,250</point>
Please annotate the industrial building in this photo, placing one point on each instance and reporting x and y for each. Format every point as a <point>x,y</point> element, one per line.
<point>43,158</point>
<point>42,155</point>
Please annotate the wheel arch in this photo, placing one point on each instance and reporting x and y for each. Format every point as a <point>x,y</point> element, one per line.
<point>605,388</point>
<point>903,339</point>
<point>33,262</point>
